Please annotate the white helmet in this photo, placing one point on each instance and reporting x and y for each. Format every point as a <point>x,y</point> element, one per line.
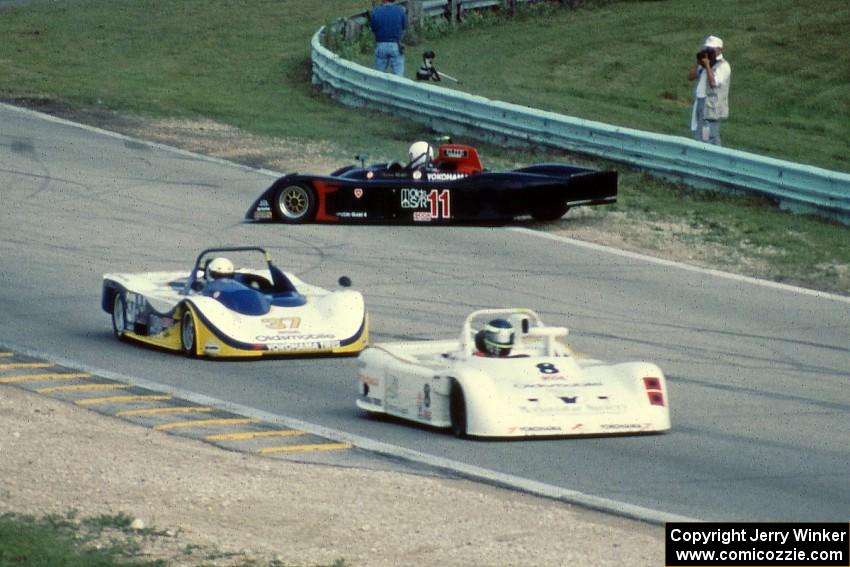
<point>420,153</point>
<point>220,268</point>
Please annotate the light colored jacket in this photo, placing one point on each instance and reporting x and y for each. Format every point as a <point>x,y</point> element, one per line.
<point>717,98</point>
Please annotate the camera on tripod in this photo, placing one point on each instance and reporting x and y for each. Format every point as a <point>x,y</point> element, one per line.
<point>427,71</point>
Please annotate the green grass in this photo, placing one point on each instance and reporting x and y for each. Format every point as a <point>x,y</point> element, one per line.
<point>101,541</point>
<point>242,62</point>
<point>57,541</point>
<point>247,63</point>
<point>626,64</point>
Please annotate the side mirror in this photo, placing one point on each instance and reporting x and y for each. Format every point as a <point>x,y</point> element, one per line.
<point>344,281</point>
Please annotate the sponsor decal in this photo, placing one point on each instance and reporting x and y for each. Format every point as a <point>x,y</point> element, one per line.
<point>352,214</point>
<point>135,307</point>
<point>569,399</point>
<point>263,210</point>
<point>536,429</point>
<point>582,385</point>
<point>421,216</point>
<point>276,338</point>
<point>157,324</point>
<point>211,348</point>
<point>456,153</point>
<point>304,345</point>
<point>414,198</point>
<point>284,324</point>
<point>624,426</point>
<point>417,175</point>
<point>370,380</point>
<point>445,176</point>
<point>392,388</point>
<point>358,192</point>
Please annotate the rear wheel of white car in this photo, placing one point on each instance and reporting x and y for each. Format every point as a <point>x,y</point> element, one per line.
<point>119,315</point>
<point>457,410</point>
<point>188,334</point>
<point>294,203</point>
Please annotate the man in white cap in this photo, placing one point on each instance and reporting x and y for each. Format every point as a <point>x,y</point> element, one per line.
<point>711,95</point>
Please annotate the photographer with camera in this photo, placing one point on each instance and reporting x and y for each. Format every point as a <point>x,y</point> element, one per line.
<point>713,75</point>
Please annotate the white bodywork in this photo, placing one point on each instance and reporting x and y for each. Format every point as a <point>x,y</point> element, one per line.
<point>326,322</point>
<point>542,389</point>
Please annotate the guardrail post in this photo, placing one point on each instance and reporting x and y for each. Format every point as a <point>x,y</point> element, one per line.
<point>417,13</point>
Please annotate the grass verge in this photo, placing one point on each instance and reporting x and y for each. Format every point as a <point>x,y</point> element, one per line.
<point>103,541</point>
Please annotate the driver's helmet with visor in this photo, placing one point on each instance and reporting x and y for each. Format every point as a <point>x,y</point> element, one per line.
<point>420,154</point>
<point>498,337</point>
<point>220,268</point>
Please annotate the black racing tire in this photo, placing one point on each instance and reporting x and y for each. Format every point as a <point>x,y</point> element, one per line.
<point>457,410</point>
<point>188,334</point>
<point>294,203</point>
<point>119,315</point>
<point>549,212</point>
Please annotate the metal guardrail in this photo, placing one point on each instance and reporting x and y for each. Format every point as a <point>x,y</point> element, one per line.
<point>797,187</point>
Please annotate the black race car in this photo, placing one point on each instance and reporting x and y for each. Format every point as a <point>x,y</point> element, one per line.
<point>451,187</point>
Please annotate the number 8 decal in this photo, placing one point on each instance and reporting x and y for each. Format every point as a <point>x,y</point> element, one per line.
<point>547,368</point>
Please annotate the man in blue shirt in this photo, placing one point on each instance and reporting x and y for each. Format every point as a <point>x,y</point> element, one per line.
<point>388,23</point>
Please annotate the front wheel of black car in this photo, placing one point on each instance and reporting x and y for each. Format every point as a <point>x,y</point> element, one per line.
<point>294,203</point>
<point>549,212</point>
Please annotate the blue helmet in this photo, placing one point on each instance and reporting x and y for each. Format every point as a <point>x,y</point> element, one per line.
<point>499,337</point>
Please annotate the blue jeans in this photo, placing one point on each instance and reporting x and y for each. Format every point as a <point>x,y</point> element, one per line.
<point>389,58</point>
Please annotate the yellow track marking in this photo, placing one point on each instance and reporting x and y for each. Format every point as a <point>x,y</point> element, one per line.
<point>162,411</point>
<point>120,399</point>
<point>309,447</point>
<point>253,435</point>
<point>11,365</point>
<point>5,354</point>
<point>75,387</point>
<point>34,377</point>
<point>205,423</point>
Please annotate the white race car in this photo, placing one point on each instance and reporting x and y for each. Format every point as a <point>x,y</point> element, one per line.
<point>218,311</point>
<point>530,385</point>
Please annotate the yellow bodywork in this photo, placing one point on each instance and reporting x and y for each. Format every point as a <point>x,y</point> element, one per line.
<point>208,344</point>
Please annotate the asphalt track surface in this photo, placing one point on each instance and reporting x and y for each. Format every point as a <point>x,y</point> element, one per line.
<point>758,374</point>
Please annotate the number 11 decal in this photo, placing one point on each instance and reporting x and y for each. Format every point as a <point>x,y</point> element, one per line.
<point>440,202</point>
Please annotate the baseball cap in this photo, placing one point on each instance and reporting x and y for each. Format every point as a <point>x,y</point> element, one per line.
<point>713,41</point>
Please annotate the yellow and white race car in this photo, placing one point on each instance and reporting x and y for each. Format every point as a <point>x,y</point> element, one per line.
<point>217,310</point>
